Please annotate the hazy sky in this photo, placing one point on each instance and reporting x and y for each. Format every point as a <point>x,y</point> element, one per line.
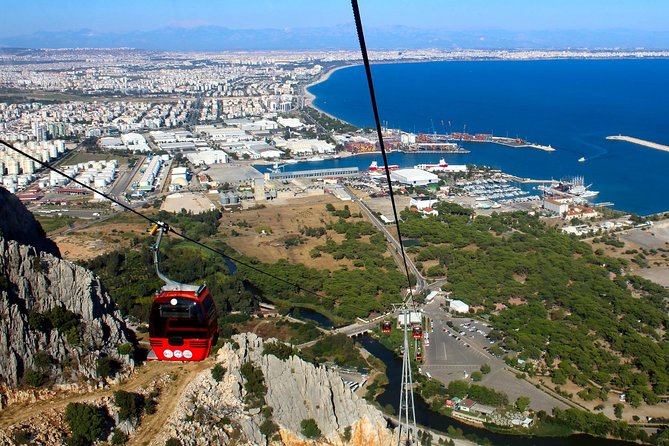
<point>26,17</point>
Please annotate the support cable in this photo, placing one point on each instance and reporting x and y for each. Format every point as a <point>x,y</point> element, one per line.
<point>379,133</point>
<point>407,433</point>
<point>158,223</point>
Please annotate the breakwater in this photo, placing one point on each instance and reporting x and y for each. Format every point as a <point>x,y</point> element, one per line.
<point>640,142</point>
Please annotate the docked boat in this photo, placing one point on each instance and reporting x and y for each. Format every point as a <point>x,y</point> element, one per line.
<point>433,167</point>
<point>316,158</point>
<point>579,189</point>
<point>375,169</point>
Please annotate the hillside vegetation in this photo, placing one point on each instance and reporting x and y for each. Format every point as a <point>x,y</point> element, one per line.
<point>573,314</point>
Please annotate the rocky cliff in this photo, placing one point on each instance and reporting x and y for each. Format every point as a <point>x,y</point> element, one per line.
<point>211,412</point>
<point>17,223</point>
<point>56,318</point>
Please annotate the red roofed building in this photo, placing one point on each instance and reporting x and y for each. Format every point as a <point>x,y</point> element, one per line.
<point>466,405</point>
<point>582,212</point>
<point>429,211</point>
<point>557,205</point>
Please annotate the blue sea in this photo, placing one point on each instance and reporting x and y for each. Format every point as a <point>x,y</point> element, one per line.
<point>570,104</point>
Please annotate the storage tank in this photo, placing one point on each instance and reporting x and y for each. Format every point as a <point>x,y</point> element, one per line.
<point>234,198</point>
<point>223,198</point>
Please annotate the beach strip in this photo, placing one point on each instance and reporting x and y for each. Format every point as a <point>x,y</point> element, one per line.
<point>641,142</point>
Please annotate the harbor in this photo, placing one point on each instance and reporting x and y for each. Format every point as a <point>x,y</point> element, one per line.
<point>453,140</point>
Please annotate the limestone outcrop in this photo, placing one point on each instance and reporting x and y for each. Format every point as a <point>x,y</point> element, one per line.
<point>211,412</point>
<point>56,318</point>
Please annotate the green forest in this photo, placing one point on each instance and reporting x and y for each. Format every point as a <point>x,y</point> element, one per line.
<point>580,316</point>
<point>344,294</point>
<point>576,315</point>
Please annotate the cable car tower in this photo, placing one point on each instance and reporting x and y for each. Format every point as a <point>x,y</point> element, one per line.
<point>407,432</point>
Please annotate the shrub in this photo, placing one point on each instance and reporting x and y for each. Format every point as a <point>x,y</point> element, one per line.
<point>42,360</point>
<point>278,349</point>
<point>218,372</point>
<point>268,428</point>
<point>126,349</point>
<point>22,436</point>
<point>310,428</point>
<point>106,367</point>
<point>34,378</point>
<point>254,385</point>
<point>618,410</point>
<point>173,442</point>
<point>85,422</point>
<point>130,404</point>
<point>347,434</point>
<point>119,437</point>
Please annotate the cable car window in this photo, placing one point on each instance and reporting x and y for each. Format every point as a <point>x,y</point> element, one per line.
<point>208,304</point>
<point>178,311</point>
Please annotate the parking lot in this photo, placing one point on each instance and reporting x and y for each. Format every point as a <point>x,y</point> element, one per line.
<point>452,354</point>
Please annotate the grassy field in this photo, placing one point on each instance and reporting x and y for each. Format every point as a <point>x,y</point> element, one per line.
<point>84,157</point>
<point>243,231</point>
<point>52,224</point>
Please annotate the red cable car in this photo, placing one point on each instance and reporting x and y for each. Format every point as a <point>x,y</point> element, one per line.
<point>386,327</point>
<point>417,332</point>
<point>183,324</point>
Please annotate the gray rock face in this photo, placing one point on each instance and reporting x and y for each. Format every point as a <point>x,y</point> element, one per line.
<point>17,223</point>
<point>296,390</point>
<point>33,282</point>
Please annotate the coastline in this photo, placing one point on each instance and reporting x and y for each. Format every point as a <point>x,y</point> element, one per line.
<point>309,97</point>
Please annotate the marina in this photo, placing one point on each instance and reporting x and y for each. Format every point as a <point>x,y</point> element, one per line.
<point>489,193</point>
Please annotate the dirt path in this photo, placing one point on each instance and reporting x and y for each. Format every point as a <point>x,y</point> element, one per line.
<point>169,397</point>
<point>148,373</point>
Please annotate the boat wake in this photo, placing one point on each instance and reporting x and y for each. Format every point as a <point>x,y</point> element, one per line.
<point>597,152</point>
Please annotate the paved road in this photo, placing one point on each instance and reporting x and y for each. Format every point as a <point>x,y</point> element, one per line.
<point>448,358</point>
<point>123,181</point>
<point>421,283</point>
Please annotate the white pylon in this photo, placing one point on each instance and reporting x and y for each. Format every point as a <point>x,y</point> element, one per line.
<point>407,433</point>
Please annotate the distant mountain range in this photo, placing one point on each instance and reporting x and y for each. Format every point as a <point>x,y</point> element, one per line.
<point>216,38</point>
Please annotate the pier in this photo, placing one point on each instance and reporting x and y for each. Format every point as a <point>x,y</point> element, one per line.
<point>519,143</point>
<point>527,180</point>
<point>640,142</point>
<point>424,139</point>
